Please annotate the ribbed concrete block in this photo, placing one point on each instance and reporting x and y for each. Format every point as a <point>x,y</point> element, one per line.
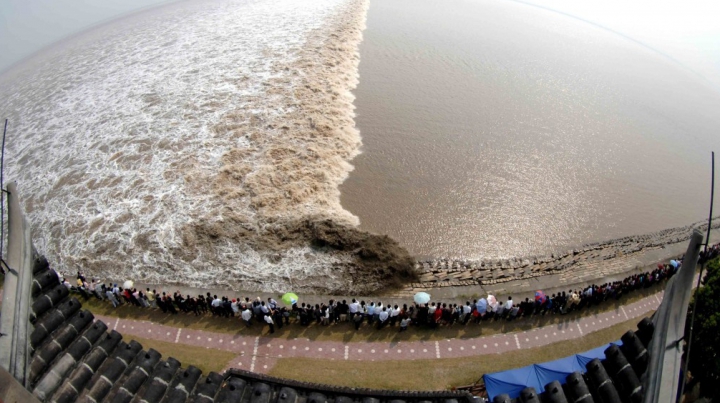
<point>84,372</point>
<point>232,391</point>
<point>144,365</point>
<point>40,264</point>
<point>316,397</point>
<point>115,368</point>
<point>529,395</point>
<point>54,377</point>
<point>502,398</point>
<point>44,280</point>
<point>600,382</point>
<point>634,351</point>
<point>554,393</point>
<point>205,391</point>
<point>50,322</point>
<point>161,378</point>
<point>645,331</point>
<point>623,375</point>
<point>52,380</point>
<point>578,391</point>
<point>183,385</point>
<point>47,301</point>
<point>66,335</point>
<point>288,395</point>
<point>261,393</point>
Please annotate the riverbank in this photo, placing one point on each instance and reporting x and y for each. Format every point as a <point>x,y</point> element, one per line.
<point>597,263</point>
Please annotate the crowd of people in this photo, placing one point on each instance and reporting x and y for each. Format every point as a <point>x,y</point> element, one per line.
<point>374,313</point>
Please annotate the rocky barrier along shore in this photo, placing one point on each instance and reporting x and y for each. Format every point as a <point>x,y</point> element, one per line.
<point>599,259</point>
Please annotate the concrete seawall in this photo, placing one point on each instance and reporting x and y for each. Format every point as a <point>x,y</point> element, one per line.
<point>594,262</point>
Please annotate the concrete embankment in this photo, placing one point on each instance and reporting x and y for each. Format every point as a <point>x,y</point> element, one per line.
<point>599,262</point>
<point>453,279</point>
<point>591,267</point>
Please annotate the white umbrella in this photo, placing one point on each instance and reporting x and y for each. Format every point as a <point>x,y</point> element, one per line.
<point>422,298</point>
<point>128,284</point>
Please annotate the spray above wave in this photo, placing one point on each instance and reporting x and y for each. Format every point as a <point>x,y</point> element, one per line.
<point>203,144</point>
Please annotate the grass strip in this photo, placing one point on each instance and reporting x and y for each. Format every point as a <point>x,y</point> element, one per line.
<point>207,359</point>
<point>437,374</point>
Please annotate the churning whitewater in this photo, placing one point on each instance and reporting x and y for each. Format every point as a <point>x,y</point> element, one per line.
<point>200,143</point>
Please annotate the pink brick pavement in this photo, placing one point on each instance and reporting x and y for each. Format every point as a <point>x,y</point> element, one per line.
<point>259,353</point>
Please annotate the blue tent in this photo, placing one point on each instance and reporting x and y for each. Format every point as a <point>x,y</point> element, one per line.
<point>514,381</point>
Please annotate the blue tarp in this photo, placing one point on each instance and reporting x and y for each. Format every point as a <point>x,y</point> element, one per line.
<point>514,381</point>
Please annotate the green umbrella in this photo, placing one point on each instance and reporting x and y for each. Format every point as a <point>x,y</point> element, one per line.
<point>290,298</point>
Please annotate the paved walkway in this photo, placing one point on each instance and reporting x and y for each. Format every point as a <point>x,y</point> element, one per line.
<point>260,353</point>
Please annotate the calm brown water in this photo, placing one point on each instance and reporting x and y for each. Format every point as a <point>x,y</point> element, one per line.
<point>494,129</point>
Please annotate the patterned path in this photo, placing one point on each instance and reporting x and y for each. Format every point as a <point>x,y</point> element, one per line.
<point>259,353</point>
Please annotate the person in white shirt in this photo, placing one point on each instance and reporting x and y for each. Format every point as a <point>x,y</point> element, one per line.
<point>216,301</point>
<point>247,316</point>
<point>272,304</point>
<point>382,318</point>
<point>269,321</point>
<point>354,306</point>
<point>510,310</point>
<point>404,322</point>
<point>371,313</point>
<point>394,313</point>
<point>467,312</point>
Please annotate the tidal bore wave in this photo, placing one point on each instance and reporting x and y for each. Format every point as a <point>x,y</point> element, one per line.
<point>202,143</point>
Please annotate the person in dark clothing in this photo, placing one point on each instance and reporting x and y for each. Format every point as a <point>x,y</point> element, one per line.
<point>343,309</point>
<point>422,315</point>
<point>161,304</point>
<point>286,315</point>
<point>227,308</point>
<point>304,316</point>
<point>358,319</point>
<point>208,302</point>
<point>170,306</point>
<point>277,318</point>
<point>192,306</point>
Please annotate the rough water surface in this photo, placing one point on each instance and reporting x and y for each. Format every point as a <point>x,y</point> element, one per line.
<point>200,143</point>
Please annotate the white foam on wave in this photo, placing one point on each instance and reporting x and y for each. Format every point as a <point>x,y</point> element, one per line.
<point>136,138</point>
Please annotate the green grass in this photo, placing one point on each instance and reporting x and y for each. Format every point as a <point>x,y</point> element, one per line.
<point>345,331</point>
<point>436,374</point>
<point>206,359</point>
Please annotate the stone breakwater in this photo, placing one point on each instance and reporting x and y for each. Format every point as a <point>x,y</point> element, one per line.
<point>586,263</point>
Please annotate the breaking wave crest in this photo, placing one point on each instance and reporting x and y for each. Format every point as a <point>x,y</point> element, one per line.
<point>203,144</point>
